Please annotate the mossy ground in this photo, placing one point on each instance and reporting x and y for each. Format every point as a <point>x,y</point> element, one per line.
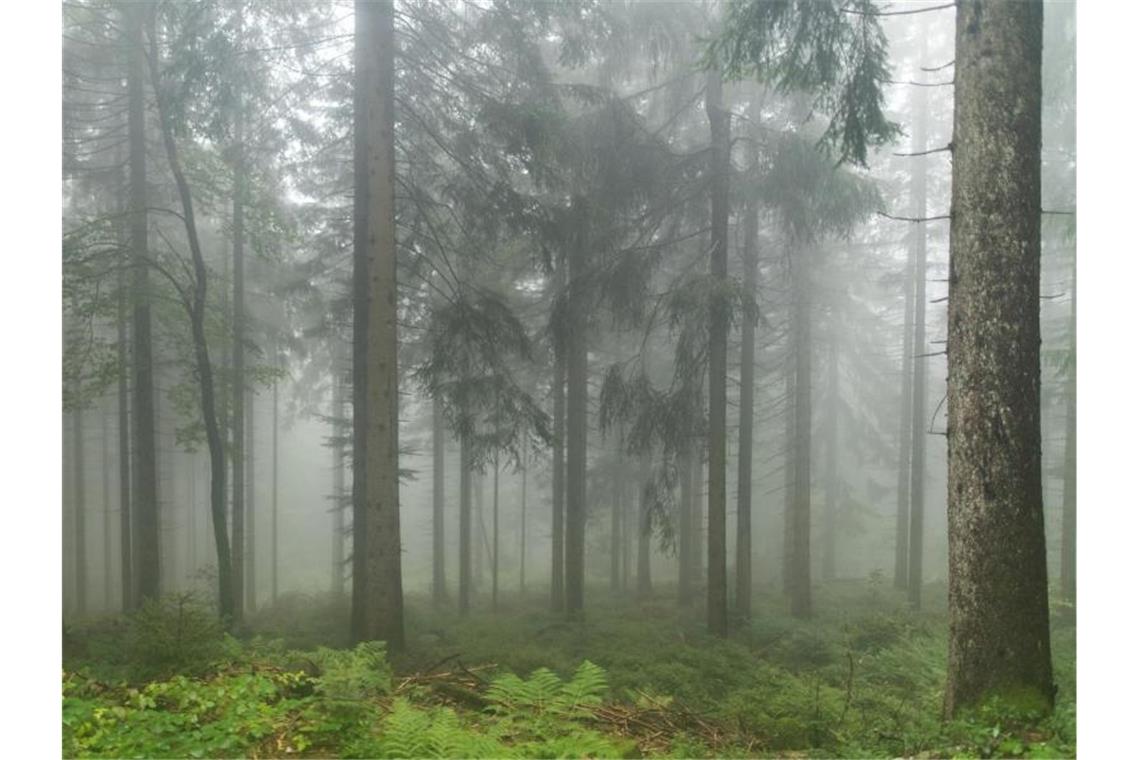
<point>863,678</point>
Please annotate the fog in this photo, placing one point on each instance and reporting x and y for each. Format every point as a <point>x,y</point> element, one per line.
<point>558,200</point>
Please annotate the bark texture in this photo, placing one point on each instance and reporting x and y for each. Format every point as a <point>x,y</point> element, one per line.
<point>744,455</point>
<point>797,551</point>
<point>998,586</point>
<point>719,127</point>
<point>381,602</point>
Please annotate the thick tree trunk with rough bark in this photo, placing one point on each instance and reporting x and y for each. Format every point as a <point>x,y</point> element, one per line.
<point>381,600</point>
<point>144,507</point>
<point>998,584</point>
<point>719,126</point>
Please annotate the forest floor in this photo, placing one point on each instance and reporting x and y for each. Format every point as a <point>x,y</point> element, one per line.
<point>863,678</point>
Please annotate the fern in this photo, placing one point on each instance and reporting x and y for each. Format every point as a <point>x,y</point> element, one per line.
<point>436,733</point>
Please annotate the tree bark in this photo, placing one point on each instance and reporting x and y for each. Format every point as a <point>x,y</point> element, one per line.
<point>719,126</point>
<point>577,414</point>
<point>273,488</point>
<point>522,532</point>
<point>105,481</point>
<point>80,499</point>
<point>495,535</point>
<point>380,595</point>
<point>465,465</point>
<point>438,578</point>
<point>144,507</point>
<point>998,584</point>
<point>250,513</point>
<point>339,502</point>
<point>558,478</point>
<point>798,550</point>
<point>906,422</point>
<point>644,527</point>
<point>685,520</point>
<point>124,432</point>
<point>747,390</point>
<point>918,388</point>
<point>237,386</point>
<point>831,441</point>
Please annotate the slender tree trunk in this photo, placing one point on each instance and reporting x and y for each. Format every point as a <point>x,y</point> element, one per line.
<point>465,465</point>
<point>274,567</point>
<point>831,475</point>
<point>124,445</point>
<point>338,445</point>
<point>522,533</point>
<point>744,455</point>
<point>616,474</point>
<point>558,465</point>
<point>495,536</point>
<point>998,590</point>
<point>918,404</point>
<point>481,529</point>
<point>798,552</point>
<point>685,528</point>
<point>906,421</point>
<point>105,451</point>
<point>381,594</point>
<point>196,307</point>
<point>1069,498</point>
<point>144,508</point>
<point>238,443</point>
<point>719,126</point>
<point>644,527</point>
<point>577,413</point>
<point>80,525</point>
<point>250,512</point>
<point>629,520</point>
<point>438,579</point>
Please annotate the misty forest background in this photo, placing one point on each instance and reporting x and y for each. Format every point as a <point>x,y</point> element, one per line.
<point>640,312</point>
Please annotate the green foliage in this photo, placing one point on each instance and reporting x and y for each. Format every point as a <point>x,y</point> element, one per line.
<point>355,674</point>
<point>410,731</point>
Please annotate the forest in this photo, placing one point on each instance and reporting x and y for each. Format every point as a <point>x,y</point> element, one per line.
<point>582,378</point>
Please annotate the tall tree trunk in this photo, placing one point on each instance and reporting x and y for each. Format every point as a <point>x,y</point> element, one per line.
<point>438,579</point>
<point>685,537</point>
<point>998,585</point>
<point>250,512</point>
<point>495,536</point>
<point>237,387</point>
<point>577,413</point>
<point>340,504</point>
<point>918,403</point>
<point>481,533</point>
<point>747,383</point>
<point>105,480</point>
<point>196,306</point>
<point>719,126</point>
<point>144,507</point>
<point>558,476</point>
<point>124,432</point>
<point>381,601</point>
<point>1069,498</point>
<point>80,525</point>
<point>644,526</point>
<point>831,442</point>
<point>465,466</point>
<point>798,551</point>
<point>273,487</point>
<point>522,531</point>
<point>906,422</point>
<point>617,481</point>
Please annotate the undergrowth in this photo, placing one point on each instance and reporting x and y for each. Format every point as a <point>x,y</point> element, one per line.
<point>862,679</point>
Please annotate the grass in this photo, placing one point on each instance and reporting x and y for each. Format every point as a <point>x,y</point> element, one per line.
<point>863,678</point>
